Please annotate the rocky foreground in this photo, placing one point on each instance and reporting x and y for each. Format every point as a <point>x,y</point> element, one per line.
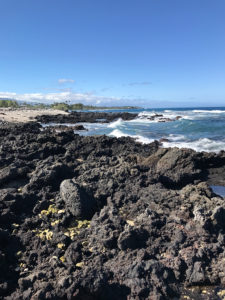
<point>89,218</point>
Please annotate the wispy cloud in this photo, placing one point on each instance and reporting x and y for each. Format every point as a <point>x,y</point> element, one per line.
<point>65,80</point>
<point>139,83</point>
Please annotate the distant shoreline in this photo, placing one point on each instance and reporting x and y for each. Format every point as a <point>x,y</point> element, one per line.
<point>65,106</point>
<point>24,115</point>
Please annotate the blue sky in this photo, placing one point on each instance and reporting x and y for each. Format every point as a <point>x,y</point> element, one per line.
<point>152,53</point>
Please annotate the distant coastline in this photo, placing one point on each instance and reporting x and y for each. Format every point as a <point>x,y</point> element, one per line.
<point>59,106</point>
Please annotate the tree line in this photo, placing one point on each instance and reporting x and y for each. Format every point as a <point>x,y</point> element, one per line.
<point>59,105</point>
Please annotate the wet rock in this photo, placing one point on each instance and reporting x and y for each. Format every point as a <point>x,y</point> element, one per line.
<point>163,120</point>
<point>79,127</point>
<point>163,140</point>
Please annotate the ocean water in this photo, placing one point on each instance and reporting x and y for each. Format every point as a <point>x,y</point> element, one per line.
<point>219,190</point>
<point>201,129</point>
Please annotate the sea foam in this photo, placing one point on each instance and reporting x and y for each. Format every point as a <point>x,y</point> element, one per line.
<point>202,144</point>
<point>118,133</point>
<point>115,123</point>
<point>214,111</point>
<point>179,141</point>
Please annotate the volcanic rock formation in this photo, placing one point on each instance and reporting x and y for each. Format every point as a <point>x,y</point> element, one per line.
<point>106,218</point>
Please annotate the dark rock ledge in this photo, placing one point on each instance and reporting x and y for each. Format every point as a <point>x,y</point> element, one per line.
<point>83,117</point>
<point>106,218</point>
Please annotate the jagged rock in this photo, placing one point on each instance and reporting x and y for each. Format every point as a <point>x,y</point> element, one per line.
<point>177,167</point>
<point>196,274</point>
<point>132,239</point>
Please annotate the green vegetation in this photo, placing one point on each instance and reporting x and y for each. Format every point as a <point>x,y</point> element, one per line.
<point>60,106</point>
<point>76,106</point>
<point>79,106</point>
<point>8,103</point>
<point>36,105</point>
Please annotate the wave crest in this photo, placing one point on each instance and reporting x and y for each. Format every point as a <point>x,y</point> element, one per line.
<point>116,123</point>
<point>141,139</point>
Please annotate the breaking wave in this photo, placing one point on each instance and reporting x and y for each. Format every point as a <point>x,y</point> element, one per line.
<point>179,141</point>
<point>202,144</point>
<point>144,140</point>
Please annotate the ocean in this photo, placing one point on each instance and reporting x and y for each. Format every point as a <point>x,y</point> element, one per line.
<point>201,129</point>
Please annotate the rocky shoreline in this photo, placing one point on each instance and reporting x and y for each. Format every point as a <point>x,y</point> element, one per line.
<point>84,117</point>
<point>102,117</point>
<point>105,218</point>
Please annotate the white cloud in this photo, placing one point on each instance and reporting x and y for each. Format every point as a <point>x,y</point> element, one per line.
<point>88,98</point>
<point>65,80</point>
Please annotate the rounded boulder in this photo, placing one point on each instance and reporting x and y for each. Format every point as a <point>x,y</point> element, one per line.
<point>77,201</point>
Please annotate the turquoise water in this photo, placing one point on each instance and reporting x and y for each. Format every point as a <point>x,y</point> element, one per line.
<point>202,129</point>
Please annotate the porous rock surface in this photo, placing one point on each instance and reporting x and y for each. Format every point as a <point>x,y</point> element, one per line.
<point>106,218</point>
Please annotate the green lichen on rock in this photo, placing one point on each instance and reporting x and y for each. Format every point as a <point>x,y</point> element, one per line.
<point>45,234</point>
<point>76,226</point>
<point>50,211</point>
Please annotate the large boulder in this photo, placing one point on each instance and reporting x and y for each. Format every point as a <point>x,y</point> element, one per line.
<point>177,167</point>
<point>77,201</point>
